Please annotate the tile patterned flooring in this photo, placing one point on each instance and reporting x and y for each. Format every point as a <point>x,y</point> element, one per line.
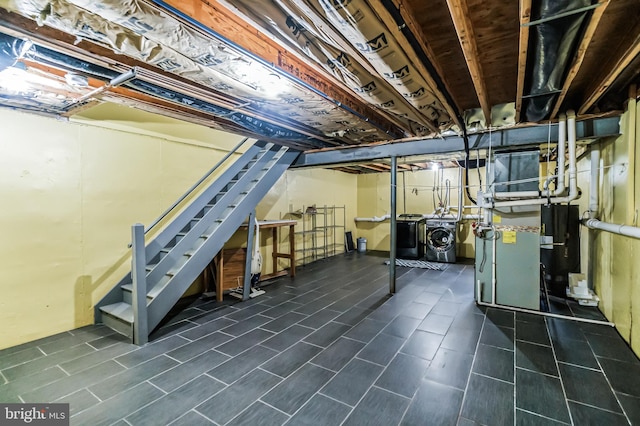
<point>332,348</point>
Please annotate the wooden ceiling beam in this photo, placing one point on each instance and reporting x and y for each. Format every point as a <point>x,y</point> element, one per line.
<point>227,24</point>
<point>466,35</point>
<point>346,170</point>
<point>373,166</point>
<point>523,47</point>
<point>613,69</point>
<point>385,167</point>
<point>580,54</point>
<point>409,21</point>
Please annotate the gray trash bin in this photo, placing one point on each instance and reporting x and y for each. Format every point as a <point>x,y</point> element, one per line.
<point>362,244</point>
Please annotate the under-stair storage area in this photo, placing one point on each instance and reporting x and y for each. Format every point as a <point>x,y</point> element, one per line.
<point>184,248</point>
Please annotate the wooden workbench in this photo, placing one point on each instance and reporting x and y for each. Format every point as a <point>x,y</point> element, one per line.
<point>230,263</point>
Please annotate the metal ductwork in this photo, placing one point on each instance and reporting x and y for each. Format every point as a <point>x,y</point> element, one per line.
<point>556,27</point>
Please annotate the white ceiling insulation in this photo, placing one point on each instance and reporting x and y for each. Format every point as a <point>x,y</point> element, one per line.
<point>349,41</point>
<point>144,32</point>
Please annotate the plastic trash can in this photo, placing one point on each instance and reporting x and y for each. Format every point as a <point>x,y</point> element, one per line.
<point>362,245</point>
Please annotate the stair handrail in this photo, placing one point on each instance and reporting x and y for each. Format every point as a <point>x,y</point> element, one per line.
<point>194,186</point>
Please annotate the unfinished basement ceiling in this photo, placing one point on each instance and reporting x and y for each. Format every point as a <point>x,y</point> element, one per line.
<point>322,74</point>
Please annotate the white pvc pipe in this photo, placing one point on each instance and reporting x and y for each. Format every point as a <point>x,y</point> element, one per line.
<point>562,136</point>
<point>573,166</point>
<point>593,184</point>
<point>373,219</point>
<point>514,194</point>
<point>471,217</point>
<point>460,191</point>
<point>626,230</point>
<point>573,174</point>
<point>493,265</point>
<point>424,216</point>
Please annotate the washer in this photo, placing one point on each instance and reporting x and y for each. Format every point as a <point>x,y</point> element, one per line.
<point>441,241</point>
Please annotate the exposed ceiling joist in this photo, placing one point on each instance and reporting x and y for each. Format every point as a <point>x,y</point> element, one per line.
<point>597,14</point>
<point>346,170</point>
<point>523,47</point>
<point>466,36</point>
<point>374,166</point>
<point>414,28</point>
<point>611,70</point>
<point>215,16</point>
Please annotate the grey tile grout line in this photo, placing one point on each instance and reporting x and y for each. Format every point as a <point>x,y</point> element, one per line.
<point>410,398</point>
<point>167,393</point>
<point>249,405</point>
<point>475,353</point>
<point>404,413</point>
<point>44,355</point>
<point>331,398</point>
<point>184,414</point>
<point>537,372</point>
<point>494,378</point>
<point>181,362</point>
<point>355,356</point>
<point>580,366</point>
<point>530,342</point>
<point>543,416</point>
<point>164,393</point>
<point>555,358</point>
<point>599,408</point>
<point>202,414</point>
<point>364,394</point>
<point>268,405</point>
<point>66,372</point>
<point>94,395</point>
<point>604,374</point>
<point>501,348</point>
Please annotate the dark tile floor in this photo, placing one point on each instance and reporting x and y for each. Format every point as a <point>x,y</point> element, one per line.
<point>331,348</point>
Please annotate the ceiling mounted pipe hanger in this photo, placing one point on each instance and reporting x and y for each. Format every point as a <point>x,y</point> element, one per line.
<point>114,82</point>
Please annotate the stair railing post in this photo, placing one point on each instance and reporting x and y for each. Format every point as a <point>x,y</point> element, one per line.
<point>246,285</point>
<point>139,277</point>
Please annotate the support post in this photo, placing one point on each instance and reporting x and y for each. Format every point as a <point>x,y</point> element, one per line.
<point>139,278</point>
<point>246,285</point>
<point>392,224</point>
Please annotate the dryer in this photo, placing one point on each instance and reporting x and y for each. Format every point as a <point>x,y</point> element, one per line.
<point>410,234</point>
<point>441,241</point>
